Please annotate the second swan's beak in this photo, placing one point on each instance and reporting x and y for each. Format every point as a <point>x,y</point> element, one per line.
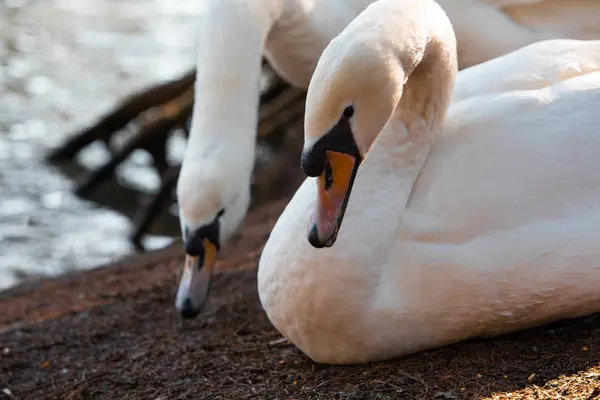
<point>195,280</point>
<point>334,188</point>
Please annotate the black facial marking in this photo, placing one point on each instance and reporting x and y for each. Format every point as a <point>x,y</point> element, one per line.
<point>314,163</point>
<point>339,138</point>
<point>194,239</point>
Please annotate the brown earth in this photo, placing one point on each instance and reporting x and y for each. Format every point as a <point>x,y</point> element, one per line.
<point>111,333</point>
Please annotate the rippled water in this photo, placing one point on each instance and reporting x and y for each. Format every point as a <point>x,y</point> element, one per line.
<point>62,64</point>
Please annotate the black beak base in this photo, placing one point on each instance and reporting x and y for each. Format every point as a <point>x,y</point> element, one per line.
<point>314,163</point>
<point>193,240</point>
<point>339,139</point>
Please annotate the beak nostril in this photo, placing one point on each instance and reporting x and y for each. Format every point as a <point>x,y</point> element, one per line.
<point>328,176</point>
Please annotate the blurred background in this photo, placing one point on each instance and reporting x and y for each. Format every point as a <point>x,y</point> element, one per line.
<point>63,63</point>
<point>75,72</point>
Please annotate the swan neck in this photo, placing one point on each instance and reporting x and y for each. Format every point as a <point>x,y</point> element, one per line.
<point>427,91</point>
<point>414,50</point>
<point>230,42</point>
<point>420,113</point>
<point>404,143</point>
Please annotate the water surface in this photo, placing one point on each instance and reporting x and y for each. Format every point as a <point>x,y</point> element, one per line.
<point>62,64</point>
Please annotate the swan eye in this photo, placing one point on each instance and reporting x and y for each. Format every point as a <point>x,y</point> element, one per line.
<point>328,176</point>
<point>220,213</point>
<point>348,112</point>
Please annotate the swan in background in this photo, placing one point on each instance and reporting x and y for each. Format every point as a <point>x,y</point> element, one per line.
<point>213,189</point>
<point>458,222</point>
<point>486,29</point>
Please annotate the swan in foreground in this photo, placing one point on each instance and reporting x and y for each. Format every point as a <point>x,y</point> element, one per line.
<point>459,222</point>
<point>213,189</point>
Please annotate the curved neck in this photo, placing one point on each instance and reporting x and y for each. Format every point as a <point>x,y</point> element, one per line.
<point>421,65</point>
<point>425,75</point>
<point>230,42</point>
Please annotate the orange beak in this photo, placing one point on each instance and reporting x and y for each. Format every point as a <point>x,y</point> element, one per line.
<point>195,280</point>
<point>334,187</point>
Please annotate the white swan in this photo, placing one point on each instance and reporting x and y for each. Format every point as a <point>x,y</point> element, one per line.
<point>213,187</point>
<point>486,29</point>
<point>472,221</point>
<point>531,67</point>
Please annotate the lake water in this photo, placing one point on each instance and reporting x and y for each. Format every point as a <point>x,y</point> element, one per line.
<point>62,64</point>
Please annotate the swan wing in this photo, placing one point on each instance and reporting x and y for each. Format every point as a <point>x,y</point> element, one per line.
<point>486,29</point>
<point>532,67</point>
<point>521,156</point>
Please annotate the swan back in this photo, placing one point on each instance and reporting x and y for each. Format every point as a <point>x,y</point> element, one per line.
<point>532,67</point>
<point>568,18</point>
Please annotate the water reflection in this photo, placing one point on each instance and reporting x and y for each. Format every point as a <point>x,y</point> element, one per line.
<point>62,64</point>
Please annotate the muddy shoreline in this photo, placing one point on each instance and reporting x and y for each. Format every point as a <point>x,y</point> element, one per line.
<point>112,333</point>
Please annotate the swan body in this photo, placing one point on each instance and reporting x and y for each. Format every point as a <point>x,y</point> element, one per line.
<point>213,189</point>
<point>486,29</point>
<point>531,67</point>
<point>468,220</point>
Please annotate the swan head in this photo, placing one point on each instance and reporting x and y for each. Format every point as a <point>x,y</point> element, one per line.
<point>351,96</point>
<point>213,195</point>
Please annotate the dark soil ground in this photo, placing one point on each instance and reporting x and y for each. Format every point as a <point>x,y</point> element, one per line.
<point>111,333</point>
